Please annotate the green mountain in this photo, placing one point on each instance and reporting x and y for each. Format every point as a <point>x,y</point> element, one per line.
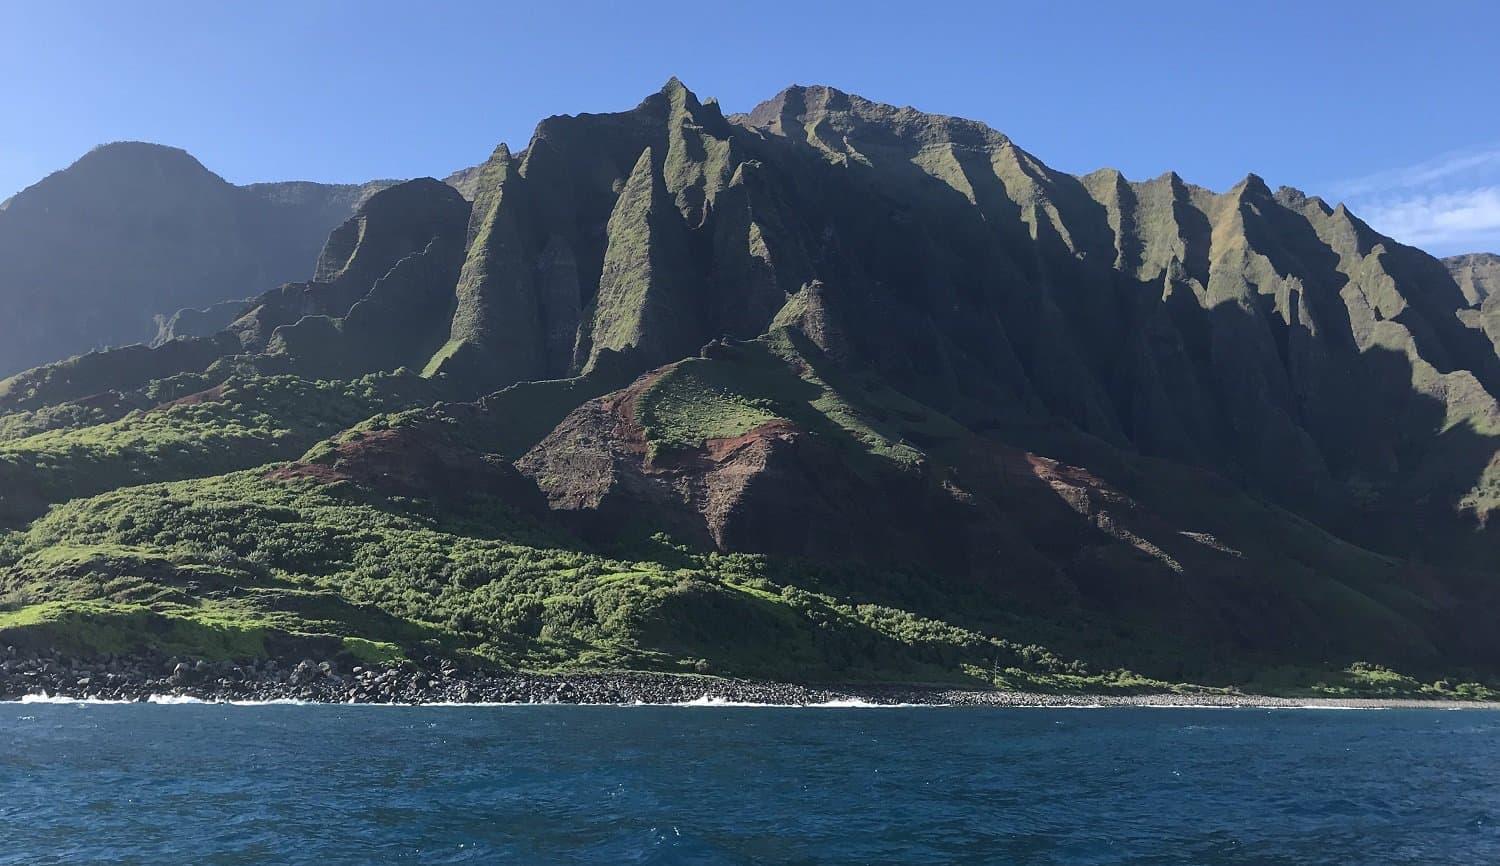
<point>831,390</point>
<point>131,230</point>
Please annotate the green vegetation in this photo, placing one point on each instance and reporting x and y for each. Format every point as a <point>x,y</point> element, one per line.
<point>1365,680</point>
<point>697,400</point>
<point>776,378</point>
<point>241,566</point>
<point>67,416</point>
<point>220,564</point>
<point>96,628</point>
<point>1022,429</point>
<point>507,422</point>
<point>245,421</point>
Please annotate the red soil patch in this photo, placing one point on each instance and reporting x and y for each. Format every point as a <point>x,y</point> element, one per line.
<point>206,396</point>
<point>719,450</point>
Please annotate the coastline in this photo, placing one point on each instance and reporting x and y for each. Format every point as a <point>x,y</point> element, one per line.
<point>61,679</point>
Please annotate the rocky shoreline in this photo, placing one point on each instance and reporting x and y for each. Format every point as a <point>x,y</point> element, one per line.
<point>434,681</point>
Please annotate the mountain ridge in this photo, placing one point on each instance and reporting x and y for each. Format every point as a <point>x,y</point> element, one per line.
<point>101,238</point>
<point>826,361</point>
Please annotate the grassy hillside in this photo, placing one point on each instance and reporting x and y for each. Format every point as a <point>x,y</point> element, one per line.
<point>243,421</point>
<point>240,566</point>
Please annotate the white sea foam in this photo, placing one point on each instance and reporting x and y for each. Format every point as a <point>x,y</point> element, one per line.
<point>188,699</point>
<point>45,698</point>
<point>174,699</point>
<point>165,700</point>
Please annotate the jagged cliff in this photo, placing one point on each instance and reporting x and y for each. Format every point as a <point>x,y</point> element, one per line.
<point>834,331</point>
<point>1264,334</point>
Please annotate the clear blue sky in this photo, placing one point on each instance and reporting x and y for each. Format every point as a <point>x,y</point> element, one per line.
<point>1392,106</point>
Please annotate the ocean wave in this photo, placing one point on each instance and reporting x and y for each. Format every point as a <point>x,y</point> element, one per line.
<point>45,698</point>
<point>175,699</point>
<point>170,700</point>
<point>159,699</point>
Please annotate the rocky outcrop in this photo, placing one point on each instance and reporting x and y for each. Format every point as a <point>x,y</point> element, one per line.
<point>396,223</point>
<point>497,333</point>
<point>1477,275</point>
<point>199,323</point>
<point>535,290</point>
<point>645,308</point>
<point>415,461</point>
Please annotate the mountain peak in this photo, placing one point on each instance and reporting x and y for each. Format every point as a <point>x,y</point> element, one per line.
<point>854,116</point>
<point>141,156</point>
<point>134,229</point>
<point>1477,275</point>
<point>124,168</point>
<point>133,149</point>
<point>1252,184</point>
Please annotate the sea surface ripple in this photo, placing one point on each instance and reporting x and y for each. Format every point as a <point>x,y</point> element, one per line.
<point>209,783</point>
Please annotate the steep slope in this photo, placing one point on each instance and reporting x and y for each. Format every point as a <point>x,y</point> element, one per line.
<point>466,180</point>
<point>1267,335</point>
<point>1477,275</point>
<point>1264,335</point>
<point>91,253</point>
<point>383,284</point>
<point>592,245</point>
<point>772,448</point>
<point>381,297</point>
<point>828,363</point>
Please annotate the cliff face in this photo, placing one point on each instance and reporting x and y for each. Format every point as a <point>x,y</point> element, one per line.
<point>1264,334</point>
<point>381,298</point>
<point>91,253</point>
<point>836,331</point>
<point>1477,275</point>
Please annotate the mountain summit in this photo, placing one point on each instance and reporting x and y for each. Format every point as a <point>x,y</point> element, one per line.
<point>90,253</point>
<point>828,389</point>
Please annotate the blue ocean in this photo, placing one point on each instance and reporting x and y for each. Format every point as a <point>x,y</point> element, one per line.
<point>223,784</point>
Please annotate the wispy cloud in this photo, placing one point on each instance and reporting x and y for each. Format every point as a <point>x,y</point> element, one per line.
<point>1466,216</point>
<point>1459,163</point>
<point>1447,204</point>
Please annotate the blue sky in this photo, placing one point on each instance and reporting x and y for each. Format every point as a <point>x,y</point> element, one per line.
<point>1388,106</point>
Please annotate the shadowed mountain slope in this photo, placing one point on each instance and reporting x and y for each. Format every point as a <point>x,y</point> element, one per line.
<point>131,230</point>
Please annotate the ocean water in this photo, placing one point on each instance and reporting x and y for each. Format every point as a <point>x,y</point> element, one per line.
<point>554,784</point>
